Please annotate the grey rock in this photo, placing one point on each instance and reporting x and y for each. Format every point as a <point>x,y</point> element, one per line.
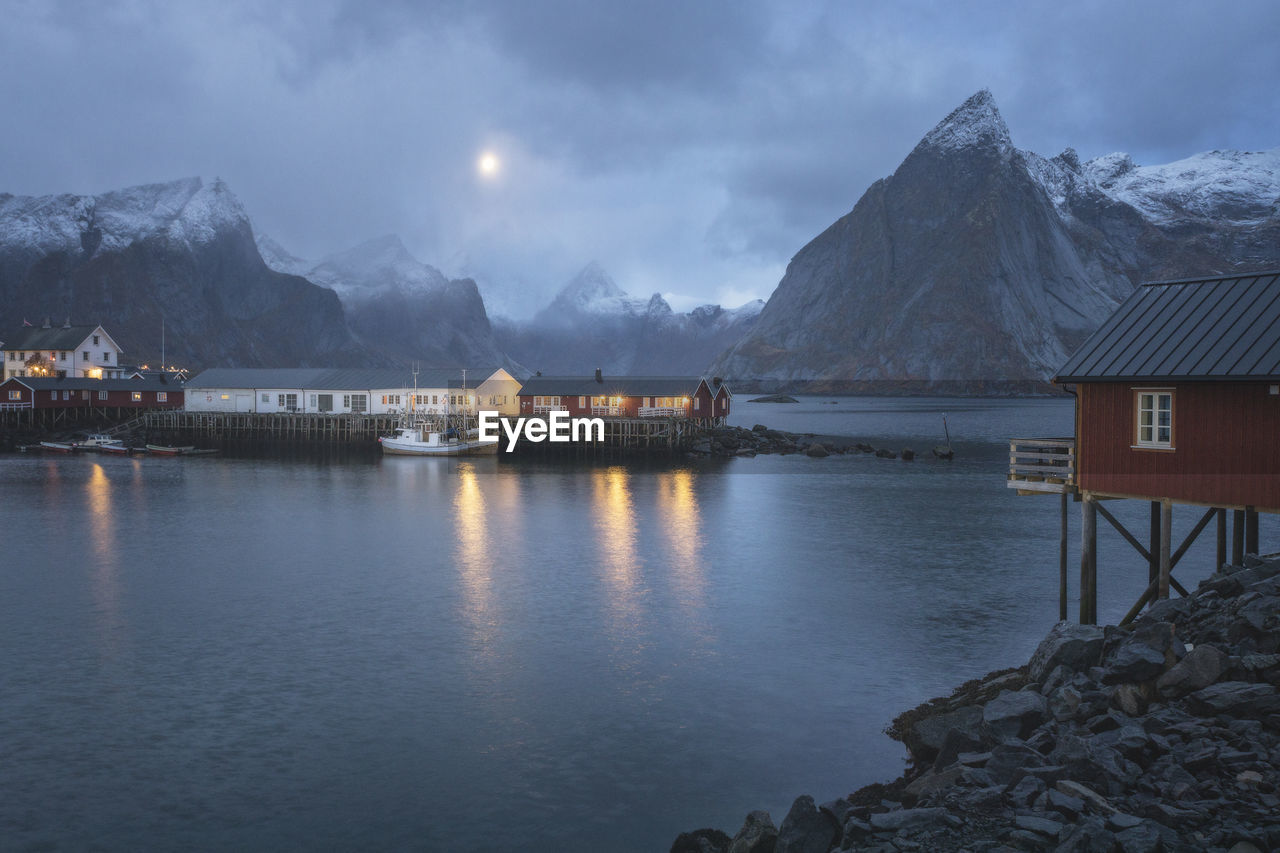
<point>1087,836</point>
<point>817,451</point>
<point>1131,699</point>
<point>1077,647</point>
<point>1237,698</point>
<point>1009,762</point>
<point>912,820</point>
<point>1041,825</point>
<point>1134,662</point>
<point>928,734</point>
<point>1147,837</point>
<point>758,835</point>
<point>1026,791</point>
<point>805,829</point>
<point>1201,667</point>
<point>1083,792</point>
<point>701,841</point>
<point>1014,714</point>
<point>1064,804</point>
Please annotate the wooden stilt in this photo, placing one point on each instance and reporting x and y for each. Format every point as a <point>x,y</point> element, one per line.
<point>1250,530</point>
<point>1153,552</point>
<point>1062,561</point>
<point>1166,536</point>
<point>1221,554</point>
<point>1237,537</point>
<point>1088,561</point>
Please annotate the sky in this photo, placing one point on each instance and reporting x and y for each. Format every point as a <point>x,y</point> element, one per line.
<point>690,147</point>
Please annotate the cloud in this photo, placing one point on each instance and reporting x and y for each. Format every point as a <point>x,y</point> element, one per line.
<point>690,148</point>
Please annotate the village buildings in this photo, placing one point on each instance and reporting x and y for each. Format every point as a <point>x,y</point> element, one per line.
<point>692,397</point>
<point>66,350</point>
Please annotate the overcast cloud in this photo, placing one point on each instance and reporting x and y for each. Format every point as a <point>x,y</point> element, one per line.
<point>690,147</point>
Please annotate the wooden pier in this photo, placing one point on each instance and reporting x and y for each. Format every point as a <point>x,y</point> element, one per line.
<point>621,435</point>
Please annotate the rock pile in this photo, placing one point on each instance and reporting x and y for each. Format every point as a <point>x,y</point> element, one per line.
<point>739,441</point>
<point>1163,736</point>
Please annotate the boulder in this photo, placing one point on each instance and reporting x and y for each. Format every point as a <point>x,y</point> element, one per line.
<point>928,734</point>
<point>908,454</point>
<point>1201,667</point>
<point>1014,714</point>
<point>1237,699</point>
<point>913,820</point>
<point>1076,647</point>
<point>806,829</point>
<point>817,451</point>
<point>701,841</point>
<point>758,835</point>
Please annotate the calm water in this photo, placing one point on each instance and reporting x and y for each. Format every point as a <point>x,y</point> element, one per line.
<point>429,654</point>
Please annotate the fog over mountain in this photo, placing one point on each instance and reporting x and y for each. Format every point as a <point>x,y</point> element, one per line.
<point>978,266</point>
<point>592,322</point>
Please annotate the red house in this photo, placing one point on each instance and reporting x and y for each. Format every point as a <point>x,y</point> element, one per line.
<point>1177,402</point>
<point>627,397</point>
<point>37,393</point>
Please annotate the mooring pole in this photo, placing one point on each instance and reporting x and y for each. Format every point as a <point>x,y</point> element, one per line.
<point>1222,539</point>
<point>1250,530</point>
<point>1153,549</point>
<point>1237,537</point>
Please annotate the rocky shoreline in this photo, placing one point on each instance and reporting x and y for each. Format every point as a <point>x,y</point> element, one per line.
<point>740,441</point>
<point>1160,736</point>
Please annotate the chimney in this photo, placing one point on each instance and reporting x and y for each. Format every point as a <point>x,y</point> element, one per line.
<point>46,323</point>
<point>67,323</point>
<point>599,377</point>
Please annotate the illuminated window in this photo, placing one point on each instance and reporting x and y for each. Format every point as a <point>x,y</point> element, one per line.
<point>1155,418</point>
<point>224,396</point>
<point>15,395</point>
<point>162,396</point>
<point>137,396</point>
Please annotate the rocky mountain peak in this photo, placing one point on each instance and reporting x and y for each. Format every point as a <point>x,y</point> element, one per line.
<point>591,284</point>
<point>976,123</point>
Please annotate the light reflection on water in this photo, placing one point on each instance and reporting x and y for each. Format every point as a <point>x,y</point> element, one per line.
<point>351,656</point>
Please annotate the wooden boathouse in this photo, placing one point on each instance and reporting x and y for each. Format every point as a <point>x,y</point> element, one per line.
<point>1177,404</point>
<point>632,397</point>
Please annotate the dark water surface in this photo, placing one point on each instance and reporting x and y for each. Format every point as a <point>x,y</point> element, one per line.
<point>431,654</point>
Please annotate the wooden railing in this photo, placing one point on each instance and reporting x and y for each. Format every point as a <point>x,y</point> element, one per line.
<point>608,411</point>
<point>1042,464</point>
<point>7,407</point>
<point>662,412</point>
<point>546,410</point>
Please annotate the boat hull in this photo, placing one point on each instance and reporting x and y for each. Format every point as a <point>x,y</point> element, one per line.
<point>57,447</point>
<point>399,447</point>
<point>162,450</point>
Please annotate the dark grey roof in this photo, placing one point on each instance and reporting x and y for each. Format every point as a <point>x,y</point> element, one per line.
<point>37,338</point>
<point>51,383</point>
<point>336,378</point>
<point>619,386</point>
<point>1193,329</point>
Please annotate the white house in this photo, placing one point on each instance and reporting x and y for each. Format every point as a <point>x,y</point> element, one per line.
<point>69,351</point>
<point>350,390</point>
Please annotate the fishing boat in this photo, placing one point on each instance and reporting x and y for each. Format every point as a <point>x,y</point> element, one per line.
<point>57,446</point>
<point>454,434</point>
<point>102,442</point>
<point>118,448</point>
<point>166,450</point>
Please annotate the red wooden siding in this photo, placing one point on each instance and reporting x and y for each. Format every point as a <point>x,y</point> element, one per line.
<point>1226,444</point>
<point>86,396</point>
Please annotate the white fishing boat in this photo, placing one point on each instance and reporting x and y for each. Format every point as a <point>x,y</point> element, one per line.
<point>454,434</point>
<point>101,441</point>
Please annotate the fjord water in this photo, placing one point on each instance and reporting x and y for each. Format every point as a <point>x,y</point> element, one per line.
<point>432,654</point>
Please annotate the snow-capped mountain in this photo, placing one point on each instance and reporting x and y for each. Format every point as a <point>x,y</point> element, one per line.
<point>400,306</point>
<point>592,322</point>
<point>182,252</point>
<point>977,266</point>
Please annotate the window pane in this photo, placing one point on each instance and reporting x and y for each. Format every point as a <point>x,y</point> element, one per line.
<point>1146,418</point>
<point>1164,418</point>
<point>1144,434</point>
<point>1164,435</point>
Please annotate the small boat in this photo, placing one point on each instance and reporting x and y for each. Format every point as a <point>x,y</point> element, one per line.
<point>119,448</point>
<point>417,441</point>
<point>101,441</point>
<point>201,452</point>
<point>165,450</point>
<point>57,446</point>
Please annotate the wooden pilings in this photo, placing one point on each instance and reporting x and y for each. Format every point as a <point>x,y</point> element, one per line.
<point>1089,561</point>
<point>1166,550</point>
<point>1062,560</point>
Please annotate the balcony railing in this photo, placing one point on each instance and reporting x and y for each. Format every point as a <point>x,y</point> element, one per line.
<point>546,410</point>
<point>8,407</point>
<point>1042,464</point>
<point>661,411</point>
<point>608,411</point>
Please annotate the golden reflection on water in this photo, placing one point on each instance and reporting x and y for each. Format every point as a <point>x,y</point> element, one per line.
<point>615,522</point>
<point>474,552</point>
<point>104,576</point>
<point>682,525</point>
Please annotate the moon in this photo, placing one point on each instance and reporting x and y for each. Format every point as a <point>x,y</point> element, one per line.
<point>488,164</point>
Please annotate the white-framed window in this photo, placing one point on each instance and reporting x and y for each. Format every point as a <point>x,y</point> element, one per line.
<point>66,395</point>
<point>102,395</point>
<point>86,355</point>
<point>162,396</point>
<point>106,357</point>
<point>1155,418</point>
<point>62,356</point>
<point>137,396</point>
<point>266,398</point>
<point>53,395</point>
<point>15,395</point>
<point>95,340</point>
<point>357,403</point>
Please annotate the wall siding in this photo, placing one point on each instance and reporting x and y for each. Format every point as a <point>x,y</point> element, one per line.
<point>1226,439</point>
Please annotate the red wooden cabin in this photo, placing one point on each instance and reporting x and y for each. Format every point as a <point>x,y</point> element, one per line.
<point>627,397</point>
<point>1178,402</point>
<point>28,392</point>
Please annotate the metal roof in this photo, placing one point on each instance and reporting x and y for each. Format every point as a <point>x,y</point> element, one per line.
<point>55,338</point>
<point>336,378</point>
<point>611,386</point>
<point>1224,327</point>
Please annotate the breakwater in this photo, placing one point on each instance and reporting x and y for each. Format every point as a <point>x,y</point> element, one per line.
<point>1161,736</point>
